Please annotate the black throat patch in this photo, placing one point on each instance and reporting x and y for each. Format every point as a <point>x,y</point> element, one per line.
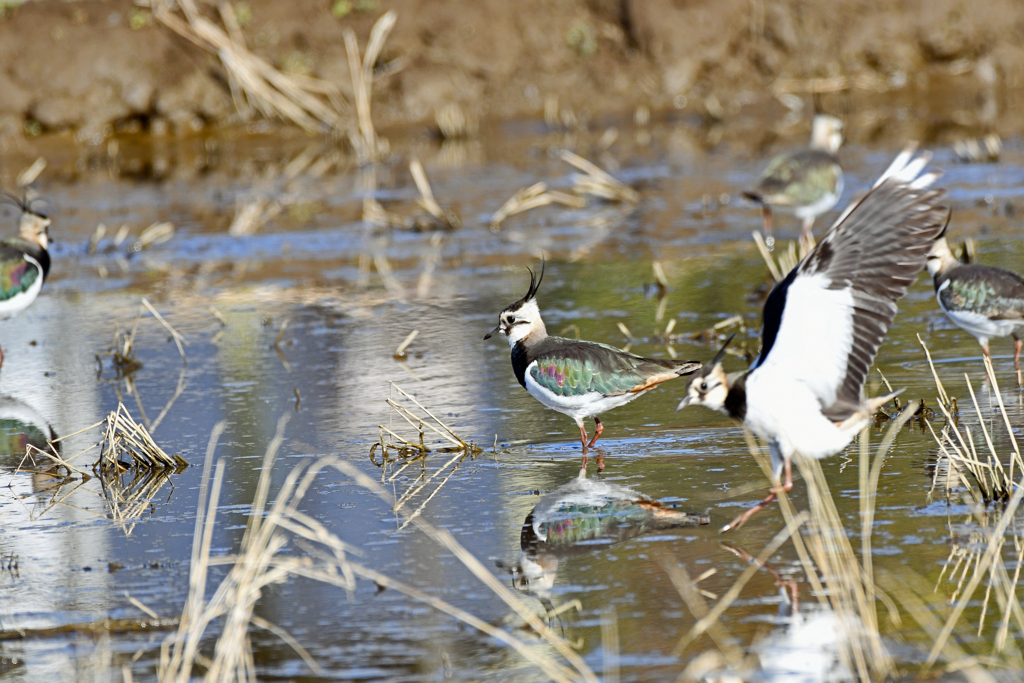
<point>736,399</point>
<point>520,361</point>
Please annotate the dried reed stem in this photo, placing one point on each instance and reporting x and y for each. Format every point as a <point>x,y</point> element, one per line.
<point>255,82</point>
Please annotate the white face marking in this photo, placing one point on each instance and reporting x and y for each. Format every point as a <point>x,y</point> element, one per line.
<point>34,229</point>
<point>940,257</point>
<point>521,323</point>
<point>535,575</point>
<point>708,390</point>
<point>826,133</point>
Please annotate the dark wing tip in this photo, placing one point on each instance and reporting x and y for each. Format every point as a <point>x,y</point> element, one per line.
<point>688,368</point>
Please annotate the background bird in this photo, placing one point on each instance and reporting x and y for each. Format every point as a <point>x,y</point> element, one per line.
<point>24,261</point>
<point>806,183</point>
<point>578,378</point>
<point>824,322</point>
<point>985,301</point>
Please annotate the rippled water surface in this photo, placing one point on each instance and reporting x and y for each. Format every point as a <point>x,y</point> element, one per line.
<point>311,280</point>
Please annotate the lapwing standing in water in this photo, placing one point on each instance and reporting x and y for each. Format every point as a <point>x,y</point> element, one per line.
<point>24,261</point>
<point>824,322</point>
<point>985,301</point>
<point>806,183</point>
<point>578,378</point>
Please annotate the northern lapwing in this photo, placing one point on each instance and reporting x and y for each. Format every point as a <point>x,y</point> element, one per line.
<point>807,182</point>
<point>824,322</point>
<point>24,261</point>
<point>983,300</point>
<point>578,378</point>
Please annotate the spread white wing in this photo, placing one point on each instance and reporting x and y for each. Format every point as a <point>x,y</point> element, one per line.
<point>824,323</point>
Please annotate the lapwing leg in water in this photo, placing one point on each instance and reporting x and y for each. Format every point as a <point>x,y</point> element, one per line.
<point>823,324</point>
<point>983,300</point>
<point>806,231</point>
<point>598,430</point>
<point>786,486</point>
<point>24,261</point>
<point>580,379</point>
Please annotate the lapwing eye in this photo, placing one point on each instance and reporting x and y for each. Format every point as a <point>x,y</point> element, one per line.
<point>703,386</point>
<point>511,320</point>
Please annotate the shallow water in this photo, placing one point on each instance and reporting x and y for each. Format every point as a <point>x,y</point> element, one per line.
<point>67,561</point>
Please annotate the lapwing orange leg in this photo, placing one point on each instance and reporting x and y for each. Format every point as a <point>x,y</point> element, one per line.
<point>598,430</point>
<point>742,519</point>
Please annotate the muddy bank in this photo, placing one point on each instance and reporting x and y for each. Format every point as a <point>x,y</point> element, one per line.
<point>92,69</point>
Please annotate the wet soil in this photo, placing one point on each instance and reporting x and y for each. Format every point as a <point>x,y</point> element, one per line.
<point>91,68</point>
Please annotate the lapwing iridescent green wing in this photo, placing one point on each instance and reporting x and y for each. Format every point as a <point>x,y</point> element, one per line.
<point>24,261</point>
<point>806,183</point>
<point>578,378</point>
<point>824,322</point>
<point>983,300</point>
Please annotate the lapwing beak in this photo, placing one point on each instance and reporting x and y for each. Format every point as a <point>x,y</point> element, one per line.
<point>683,403</point>
<point>493,332</point>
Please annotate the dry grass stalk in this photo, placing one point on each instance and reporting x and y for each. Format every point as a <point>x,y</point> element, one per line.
<point>252,213</point>
<point>847,584</point>
<point>51,455</point>
<point>179,340</point>
<point>30,174</point>
<point>911,592</point>
<point>128,502</point>
<point>396,449</point>
<point>839,580</point>
<point>714,334</point>
<point>597,182</point>
<point>970,151</point>
<point>260,563</point>
<point>157,233</point>
<point>307,102</point>
<point>431,257</point>
<point>533,197</point>
<point>983,568</point>
<point>446,540</point>
<point>400,351</point>
<point>369,147</point>
<point>992,481</point>
<point>708,618</point>
<point>128,444</point>
<point>276,189</point>
<point>785,86</point>
<point>453,123</point>
<point>779,266</point>
<point>443,219</point>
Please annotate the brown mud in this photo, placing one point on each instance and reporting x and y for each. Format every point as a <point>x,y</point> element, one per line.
<point>95,68</point>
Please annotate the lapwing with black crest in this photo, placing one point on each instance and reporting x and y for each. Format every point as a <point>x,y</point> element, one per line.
<point>580,379</point>
<point>24,260</point>
<point>824,322</point>
<point>805,183</point>
<point>983,300</point>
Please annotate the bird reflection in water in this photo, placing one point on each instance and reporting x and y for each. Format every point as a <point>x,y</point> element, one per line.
<point>583,516</point>
<point>804,646</point>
